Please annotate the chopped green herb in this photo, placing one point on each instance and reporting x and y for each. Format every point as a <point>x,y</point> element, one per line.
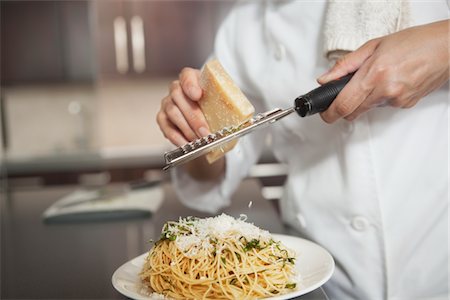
<point>252,244</point>
<point>291,260</point>
<point>291,285</point>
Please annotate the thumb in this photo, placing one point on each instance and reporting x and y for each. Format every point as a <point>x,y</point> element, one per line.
<point>190,83</point>
<point>350,62</point>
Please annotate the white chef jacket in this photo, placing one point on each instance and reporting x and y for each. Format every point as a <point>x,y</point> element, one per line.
<point>373,191</point>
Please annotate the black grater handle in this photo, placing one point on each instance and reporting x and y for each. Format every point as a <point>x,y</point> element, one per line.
<point>320,99</point>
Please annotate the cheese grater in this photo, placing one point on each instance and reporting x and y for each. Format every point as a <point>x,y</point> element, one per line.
<point>315,101</point>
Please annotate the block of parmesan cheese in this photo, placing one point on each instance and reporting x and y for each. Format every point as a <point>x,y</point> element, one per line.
<point>222,103</point>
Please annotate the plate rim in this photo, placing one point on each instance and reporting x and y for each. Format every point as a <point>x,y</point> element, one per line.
<point>296,293</point>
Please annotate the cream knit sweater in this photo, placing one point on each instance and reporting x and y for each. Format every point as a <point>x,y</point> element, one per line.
<point>351,23</point>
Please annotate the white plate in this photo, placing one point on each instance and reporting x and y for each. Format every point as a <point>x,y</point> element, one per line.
<point>314,264</point>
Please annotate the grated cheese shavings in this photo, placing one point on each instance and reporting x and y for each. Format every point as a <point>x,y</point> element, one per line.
<point>193,235</point>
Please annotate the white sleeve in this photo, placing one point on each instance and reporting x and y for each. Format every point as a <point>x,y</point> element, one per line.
<point>210,196</point>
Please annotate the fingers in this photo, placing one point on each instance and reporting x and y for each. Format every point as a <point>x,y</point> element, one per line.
<point>190,110</point>
<point>384,95</point>
<point>189,80</point>
<point>349,63</point>
<point>169,130</point>
<point>372,100</point>
<point>180,117</point>
<point>350,98</point>
<point>175,116</point>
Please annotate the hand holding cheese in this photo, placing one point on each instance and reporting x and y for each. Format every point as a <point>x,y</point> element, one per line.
<point>197,103</point>
<point>180,117</point>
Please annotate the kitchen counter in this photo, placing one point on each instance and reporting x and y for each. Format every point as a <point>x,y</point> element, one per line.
<point>77,260</point>
<point>64,122</point>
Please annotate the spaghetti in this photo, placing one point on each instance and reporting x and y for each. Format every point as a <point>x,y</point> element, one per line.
<point>218,258</point>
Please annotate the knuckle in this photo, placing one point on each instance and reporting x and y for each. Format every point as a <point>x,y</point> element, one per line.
<point>397,102</point>
<point>167,102</point>
<point>184,74</point>
<point>366,86</point>
<point>380,70</point>
<point>159,118</point>
<point>326,118</point>
<point>174,94</point>
<point>164,102</point>
<point>394,90</point>
<point>341,62</point>
<point>171,110</point>
<point>185,70</point>
<point>174,85</point>
<point>343,109</point>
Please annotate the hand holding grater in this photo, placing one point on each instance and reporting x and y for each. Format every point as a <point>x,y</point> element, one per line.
<point>315,101</point>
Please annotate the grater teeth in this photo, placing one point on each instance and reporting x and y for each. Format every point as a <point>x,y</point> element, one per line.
<point>258,117</point>
<point>208,139</point>
<point>187,147</point>
<point>211,141</point>
<point>197,143</point>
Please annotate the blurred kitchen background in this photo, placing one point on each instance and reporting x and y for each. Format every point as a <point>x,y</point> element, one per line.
<point>81,83</point>
<point>81,180</point>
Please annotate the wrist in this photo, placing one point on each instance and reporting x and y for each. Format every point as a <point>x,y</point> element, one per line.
<point>200,169</point>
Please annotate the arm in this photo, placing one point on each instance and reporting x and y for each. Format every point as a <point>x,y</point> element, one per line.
<point>397,70</point>
<point>199,185</point>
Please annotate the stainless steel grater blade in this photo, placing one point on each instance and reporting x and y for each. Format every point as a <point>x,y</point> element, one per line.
<point>205,144</point>
<point>316,101</point>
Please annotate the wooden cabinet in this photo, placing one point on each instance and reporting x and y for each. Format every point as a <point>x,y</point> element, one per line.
<point>155,38</point>
<point>45,41</point>
<point>54,41</point>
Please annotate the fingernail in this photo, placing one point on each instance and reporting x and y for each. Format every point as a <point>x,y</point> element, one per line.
<point>324,76</point>
<point>203,131</point>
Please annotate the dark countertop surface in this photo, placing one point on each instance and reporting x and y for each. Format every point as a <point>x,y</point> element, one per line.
<point>76,260</point>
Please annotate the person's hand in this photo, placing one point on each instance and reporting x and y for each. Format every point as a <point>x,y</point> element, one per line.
<point>180,117</point>
<point>396,70</point>
<point>181,120</point>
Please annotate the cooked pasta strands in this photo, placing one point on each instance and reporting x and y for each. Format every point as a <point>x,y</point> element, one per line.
<point>230,265</point>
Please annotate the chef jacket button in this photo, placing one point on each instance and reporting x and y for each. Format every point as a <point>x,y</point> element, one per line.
<point>360,223</point>
<point>280,52</point>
